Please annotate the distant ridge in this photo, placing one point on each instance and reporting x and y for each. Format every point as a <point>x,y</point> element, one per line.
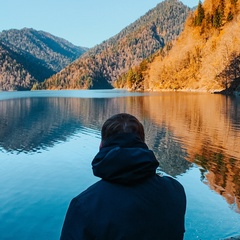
<point>102,65</point>
<point>28,56</point>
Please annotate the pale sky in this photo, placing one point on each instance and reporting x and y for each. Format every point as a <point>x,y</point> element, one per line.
<point>82,22</point>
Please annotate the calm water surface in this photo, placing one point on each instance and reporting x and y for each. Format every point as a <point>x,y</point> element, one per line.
<point>49,138</point>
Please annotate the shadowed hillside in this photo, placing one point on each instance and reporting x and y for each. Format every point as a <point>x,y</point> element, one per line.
<point>28,56</point>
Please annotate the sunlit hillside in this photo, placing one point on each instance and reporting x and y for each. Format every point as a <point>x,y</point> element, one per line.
<point>206,57</point>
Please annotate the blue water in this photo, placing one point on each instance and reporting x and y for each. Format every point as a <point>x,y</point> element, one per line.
<point>49,138</point>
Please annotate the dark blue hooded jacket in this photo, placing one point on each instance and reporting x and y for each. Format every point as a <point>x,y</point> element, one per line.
<point>130,202</point>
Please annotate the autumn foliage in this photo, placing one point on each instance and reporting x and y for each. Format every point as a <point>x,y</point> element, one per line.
<point>206,56</point>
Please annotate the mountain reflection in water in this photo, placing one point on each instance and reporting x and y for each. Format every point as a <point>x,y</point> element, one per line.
<point>209,129</point>
<point>203,129</point>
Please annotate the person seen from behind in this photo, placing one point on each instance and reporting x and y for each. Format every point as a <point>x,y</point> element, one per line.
<point>130,202</point>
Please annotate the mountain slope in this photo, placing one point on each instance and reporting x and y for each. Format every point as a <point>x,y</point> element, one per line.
<point>206,57</point>
<point>37,53</point>
<point>102,65</point>
<point>13,76</point>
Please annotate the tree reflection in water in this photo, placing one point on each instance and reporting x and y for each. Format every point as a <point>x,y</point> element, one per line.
<point>221,174</point>
<point>203,129</point>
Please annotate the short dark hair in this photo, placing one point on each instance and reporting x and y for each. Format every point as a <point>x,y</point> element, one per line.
<point>122,123</point>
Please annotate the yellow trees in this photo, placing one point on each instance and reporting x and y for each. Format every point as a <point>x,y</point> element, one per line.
<point>204,57</point>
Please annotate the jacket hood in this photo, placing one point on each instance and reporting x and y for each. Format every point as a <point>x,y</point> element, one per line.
<point>124,159</point>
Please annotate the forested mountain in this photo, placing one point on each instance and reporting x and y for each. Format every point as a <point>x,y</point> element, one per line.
<point>28,56</point>
<point>13,76</point>
<point>102,65</point>
<point>206,56</point>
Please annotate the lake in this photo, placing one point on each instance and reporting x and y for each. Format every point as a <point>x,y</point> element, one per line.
<point>49,138</point>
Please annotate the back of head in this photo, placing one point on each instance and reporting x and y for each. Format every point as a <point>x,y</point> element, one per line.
<point>122,123</point>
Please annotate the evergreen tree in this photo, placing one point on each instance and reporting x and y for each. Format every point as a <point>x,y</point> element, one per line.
<point>222,10</point>
<point>230,16</point>
<point>130,78</point>
<point>217,18</point>
<point>200,14</point>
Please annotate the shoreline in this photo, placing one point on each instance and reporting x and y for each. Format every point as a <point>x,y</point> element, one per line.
<point>188,90</point>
